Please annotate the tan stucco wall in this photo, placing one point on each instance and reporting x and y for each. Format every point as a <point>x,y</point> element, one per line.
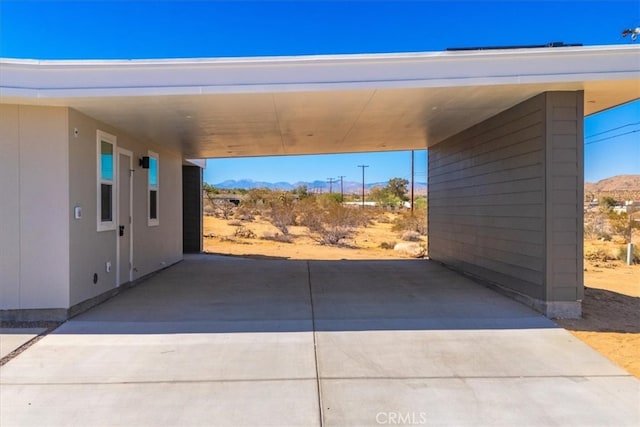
<point>34,226</point>
<point>153,247</point>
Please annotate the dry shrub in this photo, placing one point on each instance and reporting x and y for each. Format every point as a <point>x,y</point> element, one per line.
<point>600,254</point>
<point>308,214</point>
<point>244,233</point>
<point>596,227</point>
<point>282,216</point>
<point>340,223</point>
<point>382,219</point>
<point>387,245</point>
<point>412,221</point>
<point>278,237</point>
<point>411,236</point>
<point>334,236</point>
<point>245,212</point>
<point>223,209</point>
<point>235,223</point>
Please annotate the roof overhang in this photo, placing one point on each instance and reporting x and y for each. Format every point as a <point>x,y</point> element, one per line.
<point>318,104</point>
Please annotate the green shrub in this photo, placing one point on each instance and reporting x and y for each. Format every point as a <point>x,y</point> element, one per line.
<point>622,254</point>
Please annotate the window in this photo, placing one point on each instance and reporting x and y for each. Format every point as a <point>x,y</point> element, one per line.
<point>153,187</point>
<point>106,148</point>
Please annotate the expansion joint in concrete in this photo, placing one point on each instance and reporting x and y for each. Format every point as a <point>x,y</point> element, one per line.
<point>315,347</point>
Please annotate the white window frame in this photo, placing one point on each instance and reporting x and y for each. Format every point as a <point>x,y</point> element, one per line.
<point>152,222</point>
<point>101,137</point>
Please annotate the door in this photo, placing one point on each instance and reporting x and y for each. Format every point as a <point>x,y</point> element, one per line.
<point>125,220</point>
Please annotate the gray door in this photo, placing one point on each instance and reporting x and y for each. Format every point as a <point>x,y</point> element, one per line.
<point>124,218</point>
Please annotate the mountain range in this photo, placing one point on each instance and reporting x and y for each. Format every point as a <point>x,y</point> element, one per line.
<point>312,186</point>
<point>620,187</point>
<point>609,186</point>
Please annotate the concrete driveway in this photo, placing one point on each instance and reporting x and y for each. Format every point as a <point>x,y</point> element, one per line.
<point>240,342</point>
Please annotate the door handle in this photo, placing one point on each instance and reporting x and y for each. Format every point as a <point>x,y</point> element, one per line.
<point>121,230</point>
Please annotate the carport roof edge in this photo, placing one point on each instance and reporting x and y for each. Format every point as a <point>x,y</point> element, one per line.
<point>237,107</point>
<point>22,79</point>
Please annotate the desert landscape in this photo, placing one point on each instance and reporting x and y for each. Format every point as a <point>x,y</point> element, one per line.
<point>287,225</point>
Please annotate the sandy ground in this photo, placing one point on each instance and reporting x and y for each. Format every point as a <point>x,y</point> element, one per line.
<point>219,238</point>
<point>611,309</point>
<point>611,306</point>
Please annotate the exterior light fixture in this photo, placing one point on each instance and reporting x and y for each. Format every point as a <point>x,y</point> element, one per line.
<point>144,162</point>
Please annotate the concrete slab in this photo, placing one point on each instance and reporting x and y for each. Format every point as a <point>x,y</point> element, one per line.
<point>227,341</point>
<point>541,401</point>
<point>163,403</point>
<point>13,338</point>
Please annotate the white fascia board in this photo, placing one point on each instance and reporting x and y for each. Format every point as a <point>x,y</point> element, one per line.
<point>201,163</point>
<point>69,79</point>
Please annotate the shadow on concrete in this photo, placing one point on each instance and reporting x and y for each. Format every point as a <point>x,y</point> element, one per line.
<point>210,294</point>
<point>247,256</point>
<point>606,311</point>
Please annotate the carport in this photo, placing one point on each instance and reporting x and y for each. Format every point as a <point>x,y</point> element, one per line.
<point>504,130</point>
<point>228,341</point>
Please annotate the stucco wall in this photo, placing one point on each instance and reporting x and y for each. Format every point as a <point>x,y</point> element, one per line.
<point>505,200</point>
<point>154,247</point>
<point>34,226</point>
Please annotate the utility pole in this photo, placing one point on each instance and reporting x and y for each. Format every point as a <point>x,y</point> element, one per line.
<point>331,181</point>
<point>412,179</point>
<point>363,166</point>
<point>342,187</point>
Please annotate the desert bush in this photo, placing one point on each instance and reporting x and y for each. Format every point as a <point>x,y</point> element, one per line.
<point>334,235</point>
<point>622,224</point>
<point>278,237</point>
<point>339,223</point>
<point>309,214</point>
<point>412,221</point>
<point>244,213</point>
<point>282,216</point>
<point>235,223</point>
<point>244,232</point>
<point>595,226</point>
<point>223,209</point>
<point>622,254</point>
<point>387,245</point>
<point>384,197</point>
<point>596,254</point>
<point>382,219</point>
<point>411,236</point>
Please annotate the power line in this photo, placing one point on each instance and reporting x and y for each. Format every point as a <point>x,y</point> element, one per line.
<point>342,187</point>
<point>363,167</point>
<point>331,181</point>
<point>611,137</point>
<point>612,129</point>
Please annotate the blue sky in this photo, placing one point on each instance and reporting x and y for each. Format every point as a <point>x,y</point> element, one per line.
<point>165,29</point>
<point>382,167</point>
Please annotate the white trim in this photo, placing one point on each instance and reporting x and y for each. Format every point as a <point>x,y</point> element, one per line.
<point>91,78</point>
<point>111,139</point>
<point>152,222</point>
<point>129,226</point>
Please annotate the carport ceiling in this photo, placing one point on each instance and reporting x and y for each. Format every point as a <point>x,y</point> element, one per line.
<point>308,105</point>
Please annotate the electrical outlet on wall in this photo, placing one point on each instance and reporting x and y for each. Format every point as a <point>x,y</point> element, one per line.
<point>108,267</point>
